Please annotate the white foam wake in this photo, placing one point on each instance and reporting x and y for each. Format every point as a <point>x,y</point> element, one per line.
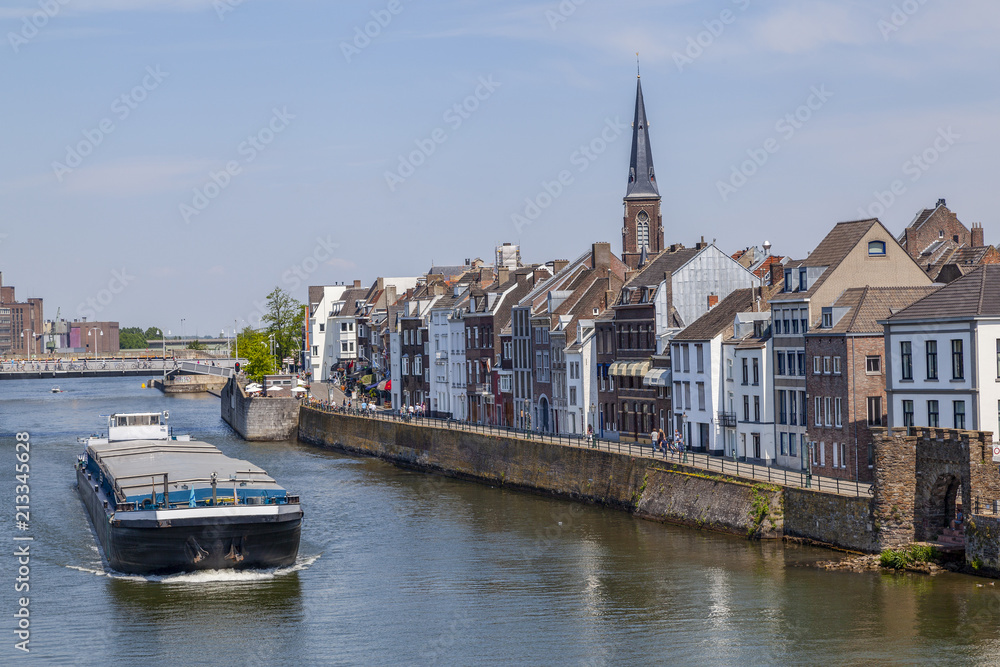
<point>206,576</point>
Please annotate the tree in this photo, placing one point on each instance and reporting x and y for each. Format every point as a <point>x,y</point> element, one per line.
<point>131,338</point>
<point>154,333</point>
<point>196,345</point>
<point>253,346</point>
<point>283,320</point>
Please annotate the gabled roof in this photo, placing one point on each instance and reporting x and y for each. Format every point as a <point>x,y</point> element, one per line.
<point>871,305</point>
<point>976,294</point>
<point>665,260</point>
<point>720,318</point>
<point>831,251</point>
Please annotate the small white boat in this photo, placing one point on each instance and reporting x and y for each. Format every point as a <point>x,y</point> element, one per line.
<point>57,390</point>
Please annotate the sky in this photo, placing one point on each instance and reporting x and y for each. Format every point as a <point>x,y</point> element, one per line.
<point>170,162</point>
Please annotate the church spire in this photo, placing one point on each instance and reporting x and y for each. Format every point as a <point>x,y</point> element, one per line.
<point>641,177</point>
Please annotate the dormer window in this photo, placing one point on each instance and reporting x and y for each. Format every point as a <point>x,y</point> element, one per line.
<point>827,318</point>
<point>876,248</point>
<point>788,280</point>
<point>803,280</point>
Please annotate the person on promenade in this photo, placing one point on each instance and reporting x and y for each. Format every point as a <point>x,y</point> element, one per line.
<point>662,439</point>
<point>590,434</point>
<point>653,437</point>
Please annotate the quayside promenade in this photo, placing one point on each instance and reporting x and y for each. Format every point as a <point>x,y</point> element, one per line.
<point>746,471</point>
<point>689,489</point>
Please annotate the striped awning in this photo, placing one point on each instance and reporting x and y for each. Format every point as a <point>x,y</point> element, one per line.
<point>630,368</point>
<point>657,377</point>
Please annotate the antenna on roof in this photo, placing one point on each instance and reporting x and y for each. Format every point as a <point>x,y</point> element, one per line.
<point>637,75</point>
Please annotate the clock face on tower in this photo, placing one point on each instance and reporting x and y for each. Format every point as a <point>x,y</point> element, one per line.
<point>642,217</point>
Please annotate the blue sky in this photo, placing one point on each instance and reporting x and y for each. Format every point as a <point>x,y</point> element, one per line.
<point>168,160</point>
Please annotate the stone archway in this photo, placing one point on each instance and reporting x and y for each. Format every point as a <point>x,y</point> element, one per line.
<point>941,504</point>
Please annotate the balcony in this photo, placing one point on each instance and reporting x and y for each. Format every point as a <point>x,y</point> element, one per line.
<point>727,419</point>
<point>441,357</point>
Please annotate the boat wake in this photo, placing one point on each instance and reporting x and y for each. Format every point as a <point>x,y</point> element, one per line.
<point>205,576</point>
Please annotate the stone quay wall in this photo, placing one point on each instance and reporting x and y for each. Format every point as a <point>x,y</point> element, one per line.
<point>982,544</point>
<point>918,474</point>
<point>258,418</point>
<point>649,488</point>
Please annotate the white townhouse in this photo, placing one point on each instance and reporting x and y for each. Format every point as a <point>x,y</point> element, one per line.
<point>323,300</point>
<point>944,357</point>
<point>446,335</point>
<point>703,400</point>
<point>749,389</point>
<point>581,380</point>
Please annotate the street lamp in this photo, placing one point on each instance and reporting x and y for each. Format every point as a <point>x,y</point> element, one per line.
<point>222,333</point>
<point>29,343</point>
<point>163,339</point>
<point>273,359</point>
<point>182,328</point>
<point>93,331</point>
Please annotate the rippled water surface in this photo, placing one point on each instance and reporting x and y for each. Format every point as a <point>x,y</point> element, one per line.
<point>397,567</point>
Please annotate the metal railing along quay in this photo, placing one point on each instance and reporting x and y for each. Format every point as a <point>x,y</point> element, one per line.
<point>750,471</point>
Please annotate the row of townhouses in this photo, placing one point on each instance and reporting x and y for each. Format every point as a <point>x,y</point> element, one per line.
<point>751,355</point>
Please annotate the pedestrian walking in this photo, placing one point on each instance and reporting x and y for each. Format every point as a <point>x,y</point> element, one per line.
<point>654,435</point>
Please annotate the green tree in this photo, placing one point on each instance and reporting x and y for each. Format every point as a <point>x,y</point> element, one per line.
<point>254,347</point>
<point>283,320</point>
<point>196,345</point>
<point>153,333</point>
<point>131,338</point>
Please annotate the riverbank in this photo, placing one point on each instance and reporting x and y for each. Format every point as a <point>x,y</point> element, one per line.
<point>650,488</point>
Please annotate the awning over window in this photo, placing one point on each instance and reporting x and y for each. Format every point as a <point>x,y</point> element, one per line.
<point>629,368</point>
<point>657,377</point>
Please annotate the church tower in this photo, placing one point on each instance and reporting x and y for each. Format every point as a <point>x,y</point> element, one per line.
<point>643,229</point>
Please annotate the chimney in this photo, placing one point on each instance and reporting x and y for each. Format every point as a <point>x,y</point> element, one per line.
<point>777,274</point>
<point>486,276</point>
<point>713,301</point>
<point>559,264</point>
<point>390,295</point>
<point>978,236</point>
<point>357,283</point>
<point>941,202</point>
<point>539,274</point>
<point>600,255</point>
<point>380,283</point>
<point>503,274</point>
<point>609,299</point>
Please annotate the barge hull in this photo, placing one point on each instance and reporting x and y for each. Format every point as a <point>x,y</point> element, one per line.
<point>212,545</point>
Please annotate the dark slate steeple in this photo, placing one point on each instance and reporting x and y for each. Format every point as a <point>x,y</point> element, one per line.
<point>641,177</point>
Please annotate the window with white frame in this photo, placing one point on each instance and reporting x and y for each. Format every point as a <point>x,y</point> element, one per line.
<point>836,365</point>
<point>837,418</point>
<point>817,365</point>
<point>826,365</point>
<point>818,407</point>
<point>828,413</point>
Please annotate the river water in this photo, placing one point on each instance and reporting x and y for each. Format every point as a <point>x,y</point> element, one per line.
<point>398,567</point>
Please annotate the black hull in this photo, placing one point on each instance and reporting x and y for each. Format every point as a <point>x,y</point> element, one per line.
<point>214,544</point>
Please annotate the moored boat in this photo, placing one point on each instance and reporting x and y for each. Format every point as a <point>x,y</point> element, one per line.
<point>163,503</point>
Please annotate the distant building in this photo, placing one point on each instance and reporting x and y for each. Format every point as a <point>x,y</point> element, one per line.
<point>94,338</point>
<point>21,323</point>
<point>944,247</point>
